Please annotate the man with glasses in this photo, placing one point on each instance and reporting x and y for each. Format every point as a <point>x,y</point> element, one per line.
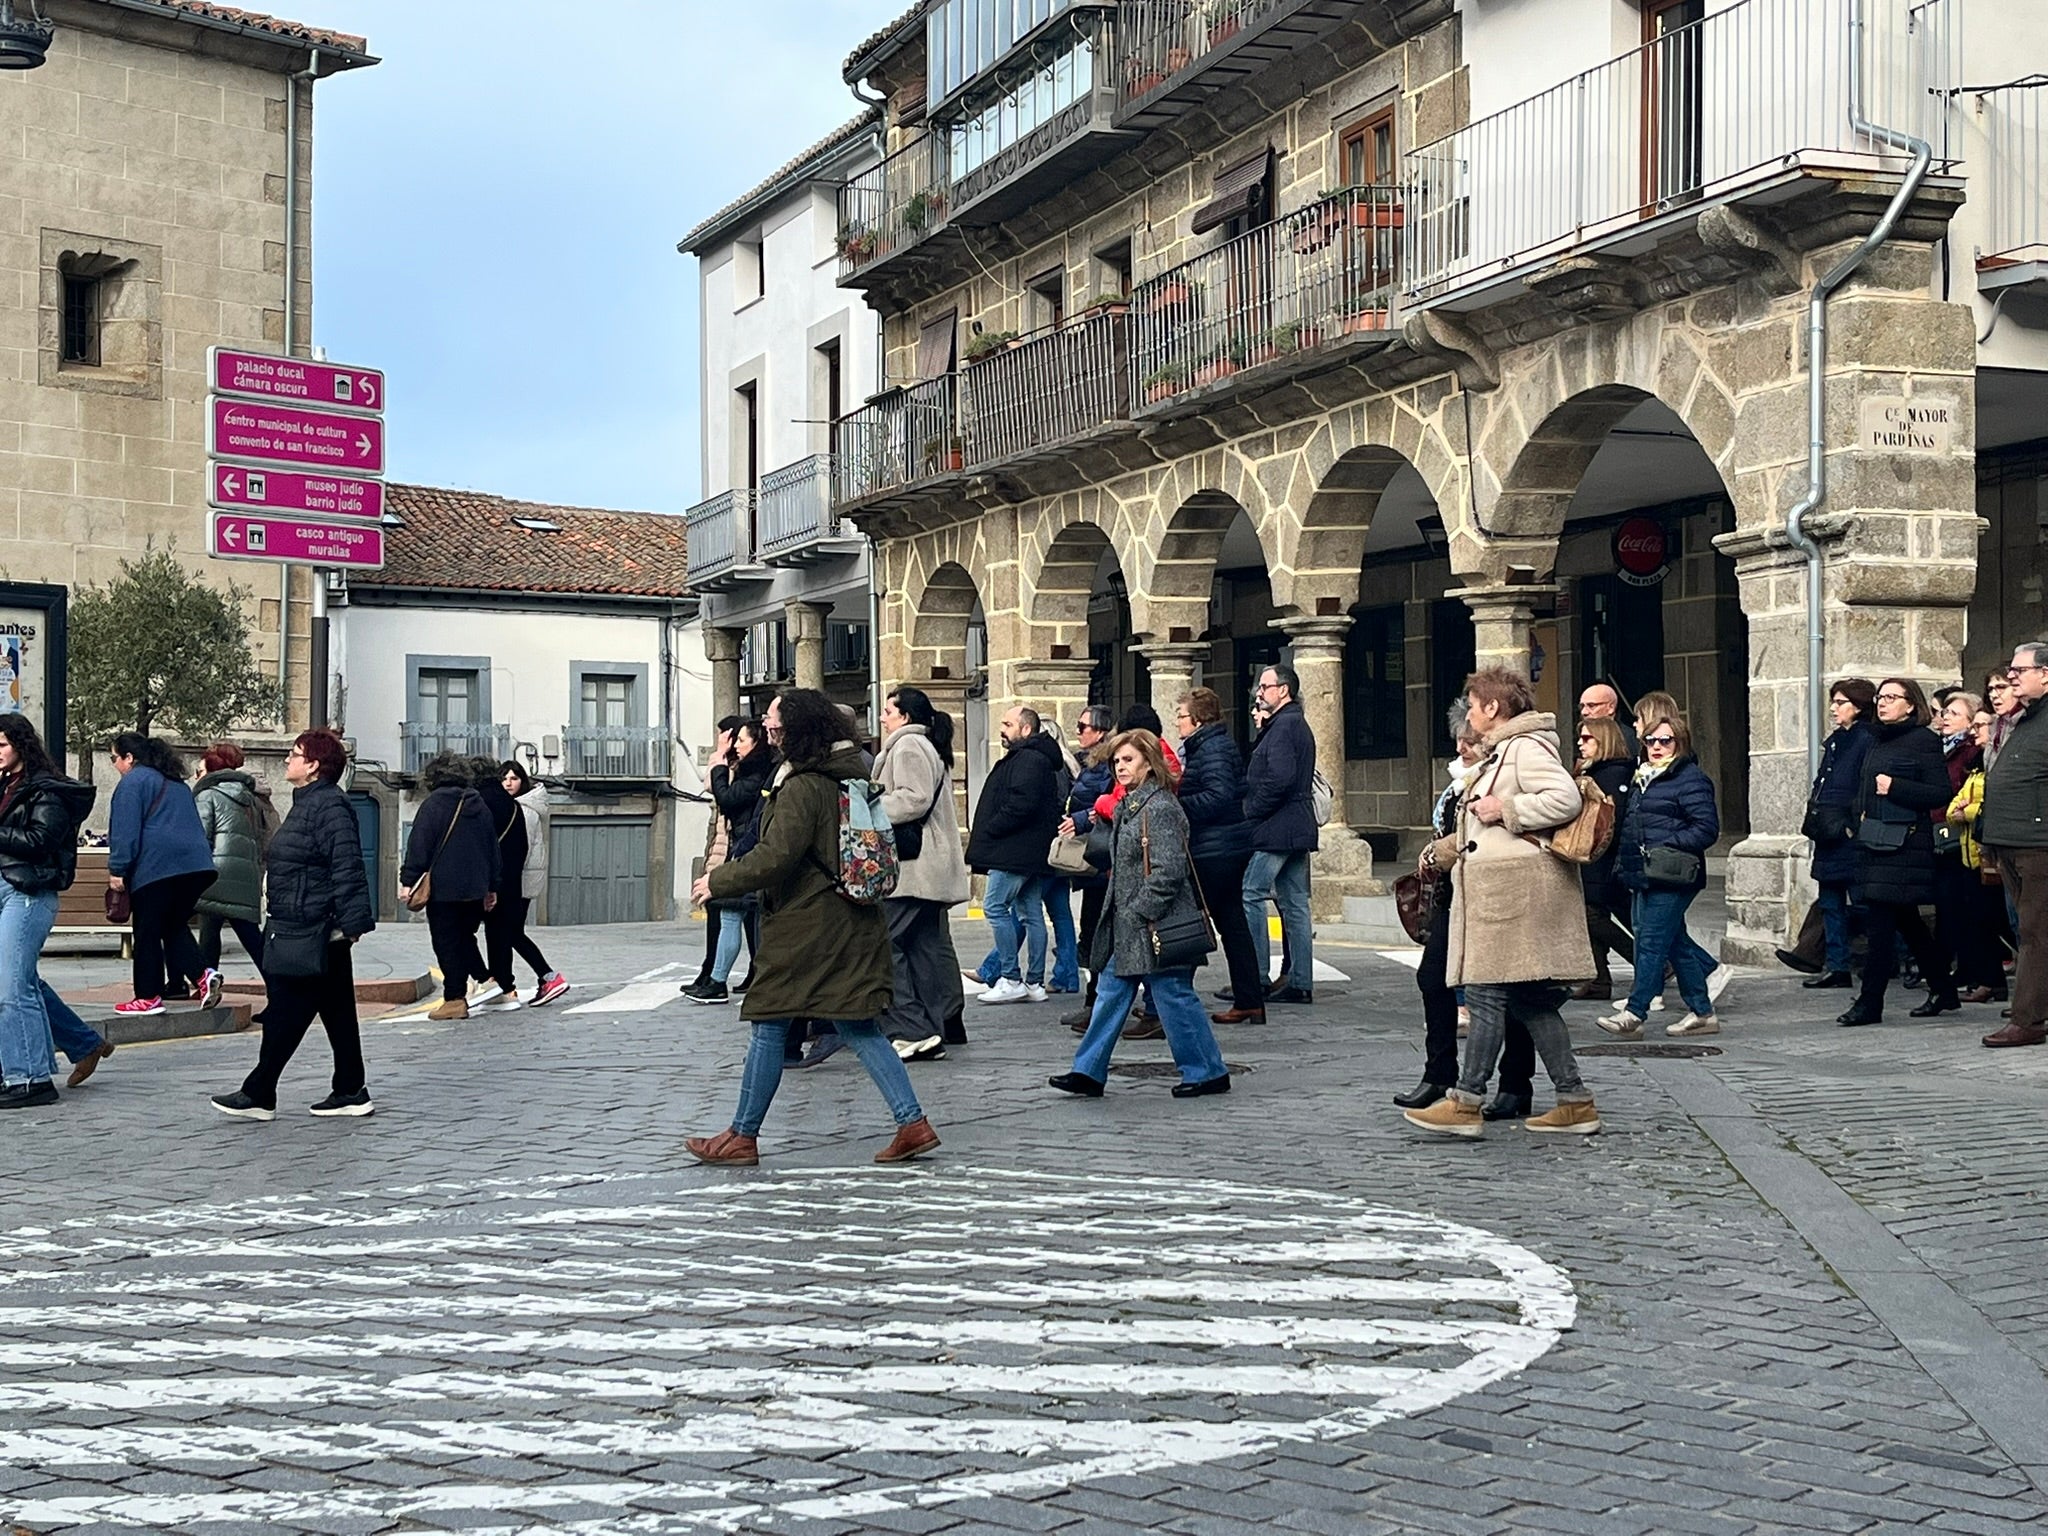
<point>1279,804</point>
<point>2014,831</point>
<point>1602,701</point>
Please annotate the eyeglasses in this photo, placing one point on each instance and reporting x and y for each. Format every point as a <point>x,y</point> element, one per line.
<point>295,752</point>
<point>1891,698</point>
<point>1660,741</point>
<point>1585,735</point>
<point>2014,672</point>
<point>1262,687</point>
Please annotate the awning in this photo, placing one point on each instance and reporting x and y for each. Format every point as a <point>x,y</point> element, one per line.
<point>1240,192</point>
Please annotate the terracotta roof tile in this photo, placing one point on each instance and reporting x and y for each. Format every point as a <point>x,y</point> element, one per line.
<point>467,541</point>
<point>295,31</point>
<point>854,58</point>
<point>841,135</point>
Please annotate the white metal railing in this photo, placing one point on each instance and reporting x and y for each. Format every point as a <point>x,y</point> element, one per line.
<point>615,752</point>
<point>1157,39</point>
<point>904,435</point>
<point>894,204</point>
<point>2016,151</point>
<point>420,741</point>
<point>1047,388</point>
<point>1320,272</point>
<point>1759,87</point>
<point>794,507</point>
<point>720,533</point>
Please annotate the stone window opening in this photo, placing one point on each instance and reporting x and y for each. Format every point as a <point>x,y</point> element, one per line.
<point>1113,267</point>
<point>1046,298</point>
<point>101,324</point>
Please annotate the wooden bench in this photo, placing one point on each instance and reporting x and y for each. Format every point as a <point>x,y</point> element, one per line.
<point>82,910</point>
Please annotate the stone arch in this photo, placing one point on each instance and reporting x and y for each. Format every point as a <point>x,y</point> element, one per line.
<point>1064,584</point>
<point>1183,566</point>
<point>1337,519</point>
<point>939,615</point>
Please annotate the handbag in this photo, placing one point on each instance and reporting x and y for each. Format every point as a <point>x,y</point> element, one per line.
<point>423,888</point>
<point>120,905</point>
<point>296,950</point>
<point>1826,823</point>
<point>1180,942</point>
<point>1883,836</point>
<point>1069,855</point>
<point>1671,867</point>
<point>1948,838</point>
<point>1584,838</point>
<point>1415,901</point>
<point>1101,844</point>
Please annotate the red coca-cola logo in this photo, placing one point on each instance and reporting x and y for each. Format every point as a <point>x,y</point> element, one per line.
<point>1640,546</point>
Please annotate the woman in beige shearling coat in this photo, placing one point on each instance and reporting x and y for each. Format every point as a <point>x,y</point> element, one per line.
<point>915,770</point>
<point>1517,924</point>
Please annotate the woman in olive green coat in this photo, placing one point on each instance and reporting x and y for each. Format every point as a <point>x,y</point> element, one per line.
<point>235,815</point>
<point>822,956</point>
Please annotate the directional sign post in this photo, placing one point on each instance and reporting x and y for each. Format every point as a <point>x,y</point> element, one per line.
<point>294,436</point>
<point>238,486</point>
<point>262,376</point>
<point>295,540</point>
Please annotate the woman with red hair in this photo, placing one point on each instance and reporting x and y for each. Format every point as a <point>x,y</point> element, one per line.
<point>235,815</point>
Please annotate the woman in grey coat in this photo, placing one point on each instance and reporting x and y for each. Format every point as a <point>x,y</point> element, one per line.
<point>1151,880</point>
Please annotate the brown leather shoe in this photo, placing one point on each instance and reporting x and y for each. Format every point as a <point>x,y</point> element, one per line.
<point>1148,1027</point>
<point>81,1070</point>
<point>912,1140</point>
<point>1239,1016</point>
<point>2018,1034</point>
<point>1593,992</point>
<point>1983,995</point>
<point>728,1149</point>
<point>454,1008</point>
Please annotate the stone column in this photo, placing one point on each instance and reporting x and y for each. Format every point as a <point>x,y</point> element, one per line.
<point>1342,866</point>
<point>949,697</point>
<point>807,630</point>
<point>1501,618</point>
<point>1172,665</point>
<point>1056,689</point>
<point>722,650</point>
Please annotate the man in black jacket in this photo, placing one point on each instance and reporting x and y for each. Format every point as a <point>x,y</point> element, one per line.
<point>1279,804</point>
<point>2014,831</point>
<point>1014,822</point>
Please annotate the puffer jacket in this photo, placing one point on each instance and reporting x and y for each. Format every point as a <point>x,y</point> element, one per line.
<point>1672,809</point>
<point>1019,809</point>
<point>1613,775</point>
<point>533,879</point>
<point>39,833</point>
<point>317,878</point>
<point>738,789</point>
<point>1136,898</point>
<point>467,868</point>
<point>1212,793</point>
<point>917,787</point>
<point>1911,755</point>
<point>1963,811</point>
<point>1840,783</point>
<point>231,816</point>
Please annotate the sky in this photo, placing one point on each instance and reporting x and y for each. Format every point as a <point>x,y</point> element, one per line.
<point>496,211</point>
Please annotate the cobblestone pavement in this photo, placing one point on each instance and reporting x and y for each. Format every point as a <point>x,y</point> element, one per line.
<point>1790,1288</point>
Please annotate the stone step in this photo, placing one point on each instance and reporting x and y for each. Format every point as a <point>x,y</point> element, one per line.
<point>1367,920</point>
<point>391,989</point>
<point>174,1024</point>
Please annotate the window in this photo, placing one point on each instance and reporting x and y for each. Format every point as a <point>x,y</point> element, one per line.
<point>1376,685</point>
<point>1046,300</point>
<point>446,696</point>
<point>1671,102</point>
<point>834,379</point>
<point>81,338</point>
<point>607,699</point>
<point>1453,656</point>
<point>1365,152</point>
<point>100,320</point>
<point>1113,269</point>
<point>748,403</point>
<point>749,272</point>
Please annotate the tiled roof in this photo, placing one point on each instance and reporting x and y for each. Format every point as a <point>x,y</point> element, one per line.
<point>854,58</point>
<point>839,136</point>
<point>293,31</point>
<point>467,541</point>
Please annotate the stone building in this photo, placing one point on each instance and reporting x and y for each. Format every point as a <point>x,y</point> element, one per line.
<point>1401,336</point>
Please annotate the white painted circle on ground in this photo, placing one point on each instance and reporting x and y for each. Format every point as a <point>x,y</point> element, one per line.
<point>764,1351</point>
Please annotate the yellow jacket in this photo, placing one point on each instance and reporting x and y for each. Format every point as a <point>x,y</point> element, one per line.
<point>1963,812</point>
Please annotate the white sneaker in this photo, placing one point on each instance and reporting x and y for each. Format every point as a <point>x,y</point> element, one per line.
<point>1695,1024</point>
<point>1656,1005</point>
<point>485,992</point>
<point>1718,979</point>
<point>1035,992</point>
<point>1005,991</point>
<point>1623,1024</point>
<point>506,1002</point>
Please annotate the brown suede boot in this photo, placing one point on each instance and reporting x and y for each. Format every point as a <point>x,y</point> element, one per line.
<point>728,1149</point>
<point>912,1140</point>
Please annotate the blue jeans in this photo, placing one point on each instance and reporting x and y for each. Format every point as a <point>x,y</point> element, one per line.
<point>1661,940</point>
<point>26,1053</point>
<point>1066,951</point>
<point>1834,922</point>
<point>1188,1034</point>
<point>1282,878</point>
<point>71,1034</point>
<point>763,1071</point>
<point>1015,906</point>
<point>732,923</point>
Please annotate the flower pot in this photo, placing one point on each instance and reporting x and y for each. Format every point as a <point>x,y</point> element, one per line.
<point>1223,31</point>
<point>1312,235</point>
<point>1147,83</point>
<point>1209,373</point>
<point>1176,60</point>
<point>1157,392</point>
<point>1378,215</point>
<point>1365,320</point>
<point>1172,296</point>
<point>956,458</point>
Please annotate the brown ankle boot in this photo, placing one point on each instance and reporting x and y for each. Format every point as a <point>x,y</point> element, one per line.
<point>912,1140</point>
<point>728,1149</point>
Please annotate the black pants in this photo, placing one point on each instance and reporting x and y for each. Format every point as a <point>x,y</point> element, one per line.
<point>1440,1017</point>
<point>210,925</point>
<point>452,925</point>
<point>295,1001</point>
<point>1608,930</point>
<point>1221,880</point>
<point>505,936</point>
<point>1884,923</point>
<point>160,912</point>
<point>1960,926</point>
<point>928,988</point>
<point>1094,896</point>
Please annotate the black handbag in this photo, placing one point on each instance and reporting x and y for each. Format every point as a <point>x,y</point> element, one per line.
<point>1101,849</point>
<point>1883,836</point>
<point>1671,867</point>
<point>296,951</point>
<point>1948,838</point>
<point>1180,941</point>
<point>910,834</point>
<point>1827,823</point>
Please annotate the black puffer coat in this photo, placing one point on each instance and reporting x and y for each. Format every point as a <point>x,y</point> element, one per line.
<point>1019,809</point>
<point>1911,755</point>
<point>739,791</point>
<point>508,830</point>
<point>1673,810</point>
<point>467,869</point>
<point>316,869</point>
<point>1603,890</point>
<point>1211,791</point>
<point>39,833</point>
<point>1840,783</point>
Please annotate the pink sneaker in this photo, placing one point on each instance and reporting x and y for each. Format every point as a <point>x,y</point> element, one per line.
<point>135,1007</point>
<point>550,989</point>
<point>207,993</point>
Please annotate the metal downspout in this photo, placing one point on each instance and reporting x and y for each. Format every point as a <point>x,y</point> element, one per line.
<point>1816,401</point>
<point>291,336</point>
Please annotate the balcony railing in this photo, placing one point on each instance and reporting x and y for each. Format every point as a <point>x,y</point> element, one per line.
<point>903,436</point>
<point>614,752</point>
<point>720,535</point>
<point>420,741</point>
<point>795,509</point>
<point>1310,276</point>
<point>1157,39</point>
<point>1736,98</point>
<point>894,204</point>
<point>2016,134</point>
<point>1047,389</point>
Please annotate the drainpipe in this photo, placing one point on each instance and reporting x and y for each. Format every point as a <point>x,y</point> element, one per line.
<point>1816,359</point>
<point>317,693</point>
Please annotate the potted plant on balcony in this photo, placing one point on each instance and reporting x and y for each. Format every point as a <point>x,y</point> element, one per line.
<point>1163,384</point>
<point>856,243</point>
<point>923,209</point>
<point>1107,304</point>
<point>1220,364</point>
<point>1363,312</point>
<point>1175,293</point>
<point>987,344</point>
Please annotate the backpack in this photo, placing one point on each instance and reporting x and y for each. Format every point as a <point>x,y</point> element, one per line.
<point>868,865</point>
<point>1321,798</point>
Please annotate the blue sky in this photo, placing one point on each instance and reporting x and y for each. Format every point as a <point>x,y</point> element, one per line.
<point>496,213</point>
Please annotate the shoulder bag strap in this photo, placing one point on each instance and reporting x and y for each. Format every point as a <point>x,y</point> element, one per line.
<point>454,817</point>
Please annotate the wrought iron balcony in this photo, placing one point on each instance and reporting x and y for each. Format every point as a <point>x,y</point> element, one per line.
<point>420,741</point>
<point>1159,40</point>
<point>721,541</point>
<point>1749,95</point>
<point>897,439</point>
<point>1276,296</point>
<point>1045,390</point>
<point>2011,177</point>
<point>794,521</point>
<point>615,752</point>
<point>894,205</point>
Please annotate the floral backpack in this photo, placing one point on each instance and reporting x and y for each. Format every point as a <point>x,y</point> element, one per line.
<point>868,864</point>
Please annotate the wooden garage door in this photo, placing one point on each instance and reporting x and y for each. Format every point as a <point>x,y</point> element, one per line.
<point>597,871</point>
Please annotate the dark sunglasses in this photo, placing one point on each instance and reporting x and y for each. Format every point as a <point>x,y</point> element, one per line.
<point>1660,741</point>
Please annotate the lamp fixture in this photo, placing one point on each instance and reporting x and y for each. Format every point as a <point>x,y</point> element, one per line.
<point>24,41</point>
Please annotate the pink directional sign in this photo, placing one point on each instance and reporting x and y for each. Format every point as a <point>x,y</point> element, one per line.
<point>294,436</point>
<point>293,378</point>
<point>295,540</point>
<point>233,486</point>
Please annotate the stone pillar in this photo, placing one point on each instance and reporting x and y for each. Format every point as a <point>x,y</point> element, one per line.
<point>722,650</point>
<point>807,631</point>
<point>1501,618</point>
<point>1172,665</point>
<point>1056,689</point>
<point>1342,866</point>
<point>949,697</point>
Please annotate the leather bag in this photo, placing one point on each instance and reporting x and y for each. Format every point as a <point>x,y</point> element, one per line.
<point>1827,823</point>
<point>1101,845</point>
<point>1183,942</point>
<point>295,950</point>
<point>423,888</point>
<point>1881,836</point>
<point>119,908</point>
<point>1069,855</point>
<point>1415,901</point>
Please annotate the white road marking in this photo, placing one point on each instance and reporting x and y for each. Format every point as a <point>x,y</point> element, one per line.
<point>643,994</point>
<point>1412,958</point>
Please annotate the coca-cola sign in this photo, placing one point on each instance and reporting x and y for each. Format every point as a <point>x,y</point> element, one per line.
<point>1642,551</point>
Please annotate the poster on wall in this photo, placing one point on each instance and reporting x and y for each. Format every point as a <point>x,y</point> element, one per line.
<point>32,656</point>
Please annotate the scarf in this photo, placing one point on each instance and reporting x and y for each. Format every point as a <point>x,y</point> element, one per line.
<point>1649,770</point>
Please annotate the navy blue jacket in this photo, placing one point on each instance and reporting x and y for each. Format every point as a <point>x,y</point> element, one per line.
<point>1674,810</point>
<point>1840,783</point>
<point>1212,793</point>
<point>153,836</point>
<point>1276,784</point>
<point>1911,755</point>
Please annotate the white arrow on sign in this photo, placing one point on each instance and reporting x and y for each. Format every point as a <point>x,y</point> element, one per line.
<point>363,445</point>
<point>232,484</point>
<point>231,534</point>
<point>368,386</point>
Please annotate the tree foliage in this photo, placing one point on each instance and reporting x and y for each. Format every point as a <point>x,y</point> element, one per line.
<point>157,650</point>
